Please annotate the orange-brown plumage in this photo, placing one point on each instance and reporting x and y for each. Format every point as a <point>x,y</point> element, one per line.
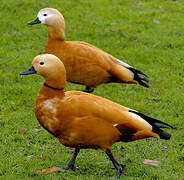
<point>82,120</point>
<point>85,63</point>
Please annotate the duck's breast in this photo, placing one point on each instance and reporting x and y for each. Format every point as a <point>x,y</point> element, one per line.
<point>47,114</point>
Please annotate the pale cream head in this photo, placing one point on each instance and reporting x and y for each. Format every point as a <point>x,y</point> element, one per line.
<point>51,68</point>
<point>51,17</point>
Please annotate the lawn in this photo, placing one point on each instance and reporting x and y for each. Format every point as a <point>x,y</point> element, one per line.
<point>147,34</point>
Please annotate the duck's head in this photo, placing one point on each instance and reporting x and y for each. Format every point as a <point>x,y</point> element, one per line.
<point>54,21</point>
<point>51,68</point>
<point>50,17</point>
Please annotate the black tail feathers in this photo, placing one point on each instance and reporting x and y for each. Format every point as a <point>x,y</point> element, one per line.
<point>161,133</point>
<point>140,77</point>
<point>156,124</point>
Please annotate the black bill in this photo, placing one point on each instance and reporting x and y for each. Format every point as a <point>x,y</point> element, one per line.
<point>31,70</point>
<point>36,21</point>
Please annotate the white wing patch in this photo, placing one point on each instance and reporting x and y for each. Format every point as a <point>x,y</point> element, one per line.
<point>120,62</point>
<point>141,120</point>
<point>115,125</point>
<point>131,109</point>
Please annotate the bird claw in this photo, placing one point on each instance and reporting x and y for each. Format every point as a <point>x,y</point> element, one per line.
<point>120,170</point>
<point>65,168</point>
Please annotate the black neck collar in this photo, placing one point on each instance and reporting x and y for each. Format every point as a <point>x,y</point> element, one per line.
<point>58,89</point>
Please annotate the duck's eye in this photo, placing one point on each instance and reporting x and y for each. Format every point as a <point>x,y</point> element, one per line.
<point>41,63</point>
<point>45,14</point>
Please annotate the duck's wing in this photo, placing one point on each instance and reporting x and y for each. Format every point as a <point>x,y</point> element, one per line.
<point>113,113</point>
<point>119,70</point>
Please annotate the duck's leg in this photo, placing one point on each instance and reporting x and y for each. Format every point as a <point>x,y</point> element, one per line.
<point>58,168</point>
<point>119,167</point>
<point>88,89</point>
<point>72,161</point>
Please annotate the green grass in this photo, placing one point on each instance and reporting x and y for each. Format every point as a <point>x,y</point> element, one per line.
<point>124,28</point>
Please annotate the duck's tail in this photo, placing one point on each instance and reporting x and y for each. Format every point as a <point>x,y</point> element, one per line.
<point>128,74</point>
<point>140,77</point>
<point>156,125</point>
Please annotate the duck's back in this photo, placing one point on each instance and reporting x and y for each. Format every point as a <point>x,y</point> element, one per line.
<point>84,63</point>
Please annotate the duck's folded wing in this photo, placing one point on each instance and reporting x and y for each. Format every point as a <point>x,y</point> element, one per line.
<point>87,104</point>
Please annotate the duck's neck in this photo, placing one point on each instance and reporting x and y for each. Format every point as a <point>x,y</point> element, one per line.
<point>47,92</point>
<point>51,87</point>
<point>56,82</point>
<point>54,85</point>
<point>56,33</point>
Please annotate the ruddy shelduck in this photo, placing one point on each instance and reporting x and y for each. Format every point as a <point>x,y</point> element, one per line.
<point>82,120</point>
<point>85,64</point>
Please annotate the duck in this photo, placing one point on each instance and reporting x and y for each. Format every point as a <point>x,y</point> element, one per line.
<point>82,120</point>
<point>85,64</point>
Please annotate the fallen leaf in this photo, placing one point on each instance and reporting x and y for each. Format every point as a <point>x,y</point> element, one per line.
<point>48,170</point>
<point>22,130</point>
<point>139,4</point>
<point>151,162</point>
<point>36,130</point>
<point>115,30</point>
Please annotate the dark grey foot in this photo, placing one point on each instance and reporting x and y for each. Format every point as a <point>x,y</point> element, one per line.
<point>119,167</point>
<point>85,90</point>
<point>88,90</point>
<point>120,170</point>
<point>71,163</point>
